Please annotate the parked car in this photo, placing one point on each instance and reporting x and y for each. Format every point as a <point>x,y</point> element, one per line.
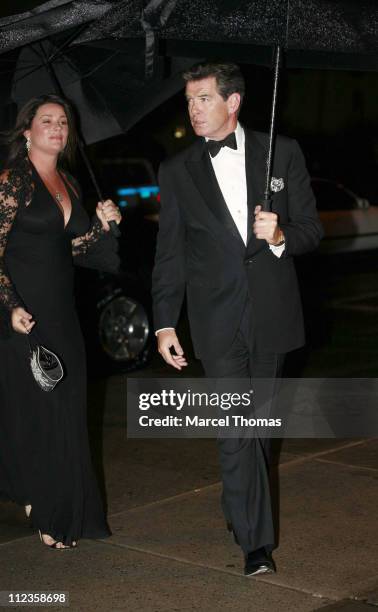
<point>131,183</point>
<point>116,311</point>
<point>116,318</point>
<point>350,222</point>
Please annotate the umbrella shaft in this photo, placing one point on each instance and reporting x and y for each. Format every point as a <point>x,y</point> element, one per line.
<point>90,169</point>
<point>267,200</point>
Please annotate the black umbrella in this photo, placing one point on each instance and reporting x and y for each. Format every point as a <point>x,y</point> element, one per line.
<point>315,33</point>
<point>327,34</point>
<point>48,18</point>
<point>131,51</point>
<point>43,51</point>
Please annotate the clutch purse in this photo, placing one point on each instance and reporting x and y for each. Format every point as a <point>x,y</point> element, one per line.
<point>45,365</point>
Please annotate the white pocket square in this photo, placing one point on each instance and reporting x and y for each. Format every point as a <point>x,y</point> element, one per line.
<point>277,184</point>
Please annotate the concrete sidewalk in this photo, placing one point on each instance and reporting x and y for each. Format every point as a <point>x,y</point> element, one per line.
<point>170,550</point>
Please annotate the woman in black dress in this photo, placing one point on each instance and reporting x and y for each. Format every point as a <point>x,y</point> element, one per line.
<point>45,461</point>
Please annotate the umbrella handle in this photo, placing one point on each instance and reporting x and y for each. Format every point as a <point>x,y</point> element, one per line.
<point>267,199</point>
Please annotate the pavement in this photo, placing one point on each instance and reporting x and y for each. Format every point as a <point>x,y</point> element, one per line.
<point>170,550</point>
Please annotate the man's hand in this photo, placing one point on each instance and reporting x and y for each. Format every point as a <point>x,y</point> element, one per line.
<point>22,321</point>
<point>167,339</point>
<point>266,226</point>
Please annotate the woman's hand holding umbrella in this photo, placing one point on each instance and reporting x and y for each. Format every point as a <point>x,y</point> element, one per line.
<point>107,211</point>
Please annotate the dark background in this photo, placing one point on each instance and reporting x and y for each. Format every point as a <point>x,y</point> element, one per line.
<point>333,114</point>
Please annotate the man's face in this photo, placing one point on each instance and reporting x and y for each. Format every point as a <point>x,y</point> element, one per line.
<point>210,115</point>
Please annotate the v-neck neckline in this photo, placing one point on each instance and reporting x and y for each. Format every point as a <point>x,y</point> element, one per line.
<point>61,210</point>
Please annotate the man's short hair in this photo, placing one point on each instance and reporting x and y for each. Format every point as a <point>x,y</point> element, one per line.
<point>228,77</point>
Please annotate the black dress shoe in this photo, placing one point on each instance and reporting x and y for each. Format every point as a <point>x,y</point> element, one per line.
<point>259,562</point>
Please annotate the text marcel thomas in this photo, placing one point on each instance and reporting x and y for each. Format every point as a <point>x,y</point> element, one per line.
<point>192,400</point>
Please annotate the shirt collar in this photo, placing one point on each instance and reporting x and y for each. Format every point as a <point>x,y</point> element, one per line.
<point>240,137</point>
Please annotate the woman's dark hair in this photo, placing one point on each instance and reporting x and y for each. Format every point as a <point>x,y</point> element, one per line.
<point>16,140</point>
<point>228,77</point>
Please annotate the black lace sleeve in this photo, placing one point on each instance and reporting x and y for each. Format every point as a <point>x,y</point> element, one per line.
<point>9,203</point>
<point>82,244</point>
<point>16,191</point>
<point>97,249</point>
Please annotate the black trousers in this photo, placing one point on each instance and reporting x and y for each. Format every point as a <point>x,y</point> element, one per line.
<point>244,461</point>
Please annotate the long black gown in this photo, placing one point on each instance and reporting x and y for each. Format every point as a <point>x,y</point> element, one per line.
<point>44,452</point>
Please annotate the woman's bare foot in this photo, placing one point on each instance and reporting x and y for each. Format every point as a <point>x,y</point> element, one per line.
<point>61,545</point>
<point>49,541</point>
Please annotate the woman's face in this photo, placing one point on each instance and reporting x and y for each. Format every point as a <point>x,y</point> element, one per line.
<point>48,132</point>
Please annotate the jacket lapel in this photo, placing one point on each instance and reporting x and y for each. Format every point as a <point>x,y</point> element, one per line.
<point>202,172</point>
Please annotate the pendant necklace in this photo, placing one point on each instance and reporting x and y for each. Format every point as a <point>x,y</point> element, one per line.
<point>58,195</point>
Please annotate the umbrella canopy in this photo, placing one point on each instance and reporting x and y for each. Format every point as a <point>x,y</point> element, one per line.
<point>48,18</point>
<point>315,33</point>
<point>126,56</point>
<point>119,59</point>
<point>347,28</point>
<point>105,81</point>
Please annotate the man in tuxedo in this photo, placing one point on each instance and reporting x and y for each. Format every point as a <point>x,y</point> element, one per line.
<point>235,263</point>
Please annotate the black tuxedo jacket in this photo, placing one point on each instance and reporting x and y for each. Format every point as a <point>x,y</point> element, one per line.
<point>200,250</point>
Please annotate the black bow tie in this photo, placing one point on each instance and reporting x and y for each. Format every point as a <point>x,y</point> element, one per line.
<point>214,146</point>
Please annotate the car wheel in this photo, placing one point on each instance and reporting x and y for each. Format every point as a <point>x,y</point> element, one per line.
<point>124,332</point>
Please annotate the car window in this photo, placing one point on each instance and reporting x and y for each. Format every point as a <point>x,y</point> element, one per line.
<point>330,196</point>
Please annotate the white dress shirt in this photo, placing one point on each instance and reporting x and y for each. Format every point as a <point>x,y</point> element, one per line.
<point>229,168</point>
